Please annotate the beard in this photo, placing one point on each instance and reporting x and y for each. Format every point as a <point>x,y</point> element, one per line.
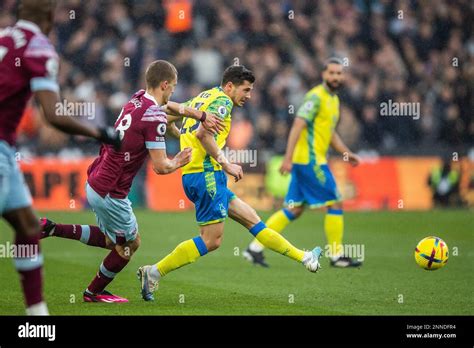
<point>334,85</point>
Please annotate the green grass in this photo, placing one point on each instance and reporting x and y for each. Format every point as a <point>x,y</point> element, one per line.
<point>224,284</point>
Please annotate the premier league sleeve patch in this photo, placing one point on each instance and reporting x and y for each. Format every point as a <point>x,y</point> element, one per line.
<point>222,111</point>
<point>161,129</point>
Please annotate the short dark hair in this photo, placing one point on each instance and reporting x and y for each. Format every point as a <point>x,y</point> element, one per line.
<point>36,10</point>
<point>159,71</point>
<point>332,60</point>
<point>237,74</point>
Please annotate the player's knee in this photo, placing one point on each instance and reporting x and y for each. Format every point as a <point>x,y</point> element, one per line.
<point>296,211</point>
<point>127,250</point>
<point>135,244</point>
<point>109,244</point>
<point>213,243</point>
<point>335,206</point>
<point>253,217</point>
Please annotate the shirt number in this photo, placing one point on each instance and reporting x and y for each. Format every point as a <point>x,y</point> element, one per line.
<point>124,123</point>
<point>195,126</point>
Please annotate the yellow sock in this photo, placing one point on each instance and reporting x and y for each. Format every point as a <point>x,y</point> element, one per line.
<point>185,253</point>
<point>276,242</point>
<point>277,222</point>
<point>334,228</point>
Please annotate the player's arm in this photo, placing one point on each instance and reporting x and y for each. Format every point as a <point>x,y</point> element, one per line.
<point>298,125</point>
<point>154,135</point>
<point>206,138</point>
<point>306,113</point>
<point>172,130</point>
<point>48,99</point>
<point>338,145</point>
<point>41,63</point>
<point>163,165</point>
<point>209,120</point>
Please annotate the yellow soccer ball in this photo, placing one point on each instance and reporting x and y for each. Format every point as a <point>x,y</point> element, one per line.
<point>431,253</point>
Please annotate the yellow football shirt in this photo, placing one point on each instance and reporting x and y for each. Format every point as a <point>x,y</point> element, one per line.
<point>320,109</point>
<point>214,101</point>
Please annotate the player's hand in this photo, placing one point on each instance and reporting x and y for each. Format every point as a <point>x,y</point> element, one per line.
<point>183,157</point>
<point>354,159</point>
<point>213,123</point>
<point>108,135</point>
<point>234,170</point>
<point>286,167</point>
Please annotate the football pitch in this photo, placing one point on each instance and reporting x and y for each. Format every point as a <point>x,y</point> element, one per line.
<point>223,283</point>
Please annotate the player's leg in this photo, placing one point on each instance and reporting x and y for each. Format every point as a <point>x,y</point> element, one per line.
<point>277,222</point>
<point>294,207</point>
<point>184,254</point>
<point>208,191</point>
<point>190,250</point>
<point>15,207</point>
<point>334,230</point>
<point>247,217</point>
<point>30,265</point>
<point>324,192</point>
<point>86,234</point>
<point>116,219</point>
<point>294,203</point>
<point>112,264</point>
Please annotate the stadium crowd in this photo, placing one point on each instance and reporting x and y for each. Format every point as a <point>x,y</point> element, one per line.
<point>403,51</point>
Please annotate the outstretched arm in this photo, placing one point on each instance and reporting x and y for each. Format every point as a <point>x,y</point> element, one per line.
<point>210,121</point>
<point>48,99</point>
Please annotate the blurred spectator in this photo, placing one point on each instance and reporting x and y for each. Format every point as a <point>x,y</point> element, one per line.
<point>242,132</point>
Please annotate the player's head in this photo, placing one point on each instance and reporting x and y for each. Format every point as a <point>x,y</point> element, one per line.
<point>161,78</point>
<point>333,73</point>
<point>237,83</point>
<point>40,12</point>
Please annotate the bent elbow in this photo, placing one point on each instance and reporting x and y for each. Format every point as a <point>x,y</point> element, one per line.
<point>50,118</point>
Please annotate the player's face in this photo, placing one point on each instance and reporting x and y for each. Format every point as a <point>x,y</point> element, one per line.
<point>241,93</point>
<point>169,90</point>
<point>333,76</point>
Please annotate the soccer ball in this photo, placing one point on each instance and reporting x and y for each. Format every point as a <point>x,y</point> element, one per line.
<point>431,253</point>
